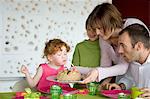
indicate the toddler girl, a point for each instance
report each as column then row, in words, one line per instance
column 56, row 53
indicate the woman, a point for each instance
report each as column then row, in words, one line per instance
column 107, row 23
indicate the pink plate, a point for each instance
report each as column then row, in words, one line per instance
column 114, row 93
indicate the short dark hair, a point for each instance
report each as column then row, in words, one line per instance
column 137, row 33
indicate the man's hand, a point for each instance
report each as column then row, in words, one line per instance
column 146, row 94
column 102, row 86
column 91, row 77
column 112, row 86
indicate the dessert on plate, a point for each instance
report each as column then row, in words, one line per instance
column 69, row 75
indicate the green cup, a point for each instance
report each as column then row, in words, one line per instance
column 55, row 92
column 74, row 96
column 92, row 88
column 67, row 96
column 70, row 96
column 135, row 92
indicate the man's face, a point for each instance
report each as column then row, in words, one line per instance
column 126, row 49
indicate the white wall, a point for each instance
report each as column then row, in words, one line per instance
column 25, row 26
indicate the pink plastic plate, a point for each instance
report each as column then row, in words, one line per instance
column 114, row 93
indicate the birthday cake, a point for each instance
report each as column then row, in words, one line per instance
column 69, row 75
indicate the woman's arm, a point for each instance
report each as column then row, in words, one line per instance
column 107, row 69
column 115, row 70
column 104, row 72
column 83, row 70
column 109, row 55
column 105, row 49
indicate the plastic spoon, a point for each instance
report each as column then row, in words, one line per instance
column 71, row 85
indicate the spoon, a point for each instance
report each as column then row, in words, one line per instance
column 71, row 85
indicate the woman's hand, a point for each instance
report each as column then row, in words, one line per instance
column 146, row 94
column 91, row 77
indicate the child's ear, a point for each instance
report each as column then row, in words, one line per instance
column 49, row 57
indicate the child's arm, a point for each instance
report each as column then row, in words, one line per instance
column 32, row 81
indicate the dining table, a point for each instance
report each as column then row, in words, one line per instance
column 80, row 90
column 11, row 95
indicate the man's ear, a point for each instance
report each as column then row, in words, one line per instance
column 139, row 46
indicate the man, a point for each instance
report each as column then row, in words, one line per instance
column 134, row 46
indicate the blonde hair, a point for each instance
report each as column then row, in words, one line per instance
column 53, row 46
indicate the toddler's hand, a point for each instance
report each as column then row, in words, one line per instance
column 73, row 68
column 24, row 69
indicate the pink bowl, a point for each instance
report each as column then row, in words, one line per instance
column 114, row 93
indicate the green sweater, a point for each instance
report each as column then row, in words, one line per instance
column 87, row 54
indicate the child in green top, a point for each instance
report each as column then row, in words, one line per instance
column 87, row 52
